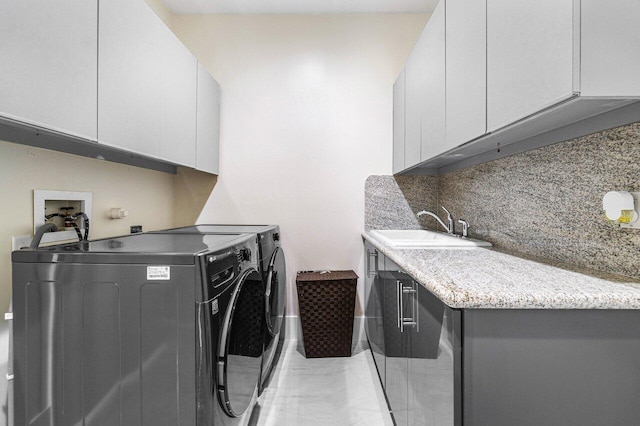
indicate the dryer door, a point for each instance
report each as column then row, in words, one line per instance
column 275, row 292
column 241, row 344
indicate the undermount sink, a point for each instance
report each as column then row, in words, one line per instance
column 421, row 239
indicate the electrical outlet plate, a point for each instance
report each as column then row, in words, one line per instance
column 20, row 241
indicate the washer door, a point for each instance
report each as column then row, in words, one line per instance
column 241, row 344
column 275, row 294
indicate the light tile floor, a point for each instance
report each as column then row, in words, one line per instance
column 322, row 391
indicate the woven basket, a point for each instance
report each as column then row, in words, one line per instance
column 327, row 302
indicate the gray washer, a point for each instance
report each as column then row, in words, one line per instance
column 123, row 330
column 273, row 268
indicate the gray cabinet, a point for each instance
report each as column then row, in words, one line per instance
column 374, row 307
column 551, row 367
column 414, row 339
column 498, row 367
column 208, row 122
column 48, row 69
column 397, row 342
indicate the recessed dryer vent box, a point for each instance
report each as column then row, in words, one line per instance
column 46, row 202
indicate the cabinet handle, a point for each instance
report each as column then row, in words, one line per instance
column 399, row 304
column 416, row 311
column 374, row 254
column 411, row 321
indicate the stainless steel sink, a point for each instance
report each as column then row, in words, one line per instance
column 421, row 239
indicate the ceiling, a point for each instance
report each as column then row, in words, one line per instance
column 188, row 7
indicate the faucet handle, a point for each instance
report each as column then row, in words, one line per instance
column 465, row 227
column 451, row 223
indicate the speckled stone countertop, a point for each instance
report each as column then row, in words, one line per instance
column 489, row 279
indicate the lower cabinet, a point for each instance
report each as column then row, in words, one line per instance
column 414, row 339
column 498, row 367
column 374, row 308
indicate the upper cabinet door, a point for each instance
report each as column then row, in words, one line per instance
column 610, row 48
column 466, row 71
column 433, row 112
column 208, row 128
column 179, row 93
column 147, row 84
column 414, row 101
column 48, row 64
column 529, row 57
column 398, row 123
column 129, row 102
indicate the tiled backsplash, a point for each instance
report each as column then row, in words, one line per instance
column 546, row 202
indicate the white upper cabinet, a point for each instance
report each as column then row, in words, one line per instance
column 398, row 123
column 530, row 60
column 415, row 80
column 208, row 122
column 147, row 84
column 129, row 75
column 179, row 92
column 524, row 73
column 48, row 64
column 433, row 114
column 610, row 48
column 466, row 71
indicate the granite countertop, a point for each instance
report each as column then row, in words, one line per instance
column 486, row 278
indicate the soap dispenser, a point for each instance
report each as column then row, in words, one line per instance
column 619, row 207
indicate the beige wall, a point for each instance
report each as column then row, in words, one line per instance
column 306, row 117
column 148, row 195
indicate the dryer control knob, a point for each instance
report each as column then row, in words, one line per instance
column 245, row 254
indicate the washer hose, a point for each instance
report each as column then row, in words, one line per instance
column 47, row 227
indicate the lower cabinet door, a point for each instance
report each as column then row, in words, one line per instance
column 396, row 341
column 422, row 350
column 431, row 387
column 374, row 298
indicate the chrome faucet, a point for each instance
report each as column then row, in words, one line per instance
column 449, row 227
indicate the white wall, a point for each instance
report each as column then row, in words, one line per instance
column 306, row 117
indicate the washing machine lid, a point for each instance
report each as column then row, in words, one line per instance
column 275, row 292
column 175, row 249
column 241, row 344
column 221, row 229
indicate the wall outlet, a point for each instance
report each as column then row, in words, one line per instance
column 20, row 241
column 136, row 229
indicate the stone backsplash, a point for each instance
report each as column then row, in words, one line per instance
column 391, row 202
column 544, row 203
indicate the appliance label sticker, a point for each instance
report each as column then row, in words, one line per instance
column 158, row 273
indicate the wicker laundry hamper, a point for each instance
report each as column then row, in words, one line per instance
column 327, row 301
